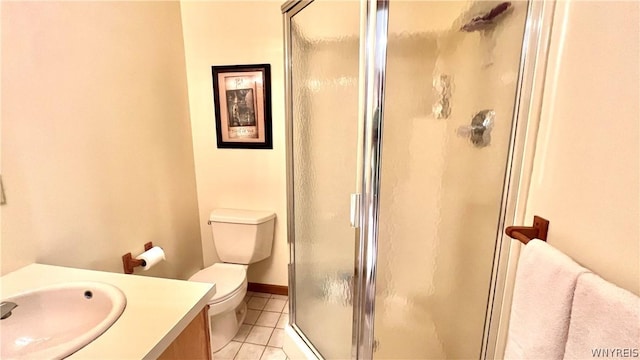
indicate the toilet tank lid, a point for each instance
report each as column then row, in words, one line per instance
column 239, row 216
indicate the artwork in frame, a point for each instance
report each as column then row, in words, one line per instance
column 242, row 102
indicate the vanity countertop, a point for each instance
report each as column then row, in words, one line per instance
column 157, row 309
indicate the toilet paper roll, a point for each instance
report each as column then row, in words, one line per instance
column 151, row 257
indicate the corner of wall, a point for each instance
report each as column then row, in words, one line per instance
column 215, row 33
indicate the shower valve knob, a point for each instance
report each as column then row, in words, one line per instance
column 479, row 132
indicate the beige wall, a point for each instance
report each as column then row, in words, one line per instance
column 221, row 33
column 96, row 144
column 586, row 171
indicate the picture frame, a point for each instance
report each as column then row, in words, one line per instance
column 242, row 105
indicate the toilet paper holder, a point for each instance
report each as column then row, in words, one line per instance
column 128, row 262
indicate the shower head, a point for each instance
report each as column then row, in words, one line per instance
column 484, row 21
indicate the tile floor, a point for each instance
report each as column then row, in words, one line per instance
column 261, row 335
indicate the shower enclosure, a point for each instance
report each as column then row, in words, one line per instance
column 405, row 122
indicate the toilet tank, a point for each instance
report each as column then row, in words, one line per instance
column 242, row 236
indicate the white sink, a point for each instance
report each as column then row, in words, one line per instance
column 56, row 321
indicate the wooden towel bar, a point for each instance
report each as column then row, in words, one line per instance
column 527, row 233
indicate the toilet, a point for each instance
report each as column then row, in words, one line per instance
column 241, row 237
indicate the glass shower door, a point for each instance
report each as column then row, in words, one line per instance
column 322, row 154
column 449, row 103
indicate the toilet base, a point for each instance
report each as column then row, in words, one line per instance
column 225, row 326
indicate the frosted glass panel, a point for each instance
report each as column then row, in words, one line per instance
column 440, row 194
column 325, row 119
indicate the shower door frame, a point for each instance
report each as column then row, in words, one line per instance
column 519, row 163
column 290, row 9
column 375, row 62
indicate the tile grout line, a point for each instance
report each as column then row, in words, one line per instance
column 270, row 336
column 263, row 349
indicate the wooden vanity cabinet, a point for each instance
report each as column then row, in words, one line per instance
column 193, row 341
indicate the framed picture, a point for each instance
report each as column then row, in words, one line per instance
column 242, row 102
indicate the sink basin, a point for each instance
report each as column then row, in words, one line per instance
column 56, row 321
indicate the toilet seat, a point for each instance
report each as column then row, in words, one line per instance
column 229, row 280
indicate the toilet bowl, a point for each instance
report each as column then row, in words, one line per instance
column 226, row 308
column 241, row 237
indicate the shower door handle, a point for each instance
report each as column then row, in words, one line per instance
column 354, row 211
column 479, row 132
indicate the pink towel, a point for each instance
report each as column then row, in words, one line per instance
column 539, row 322
column 605, row 321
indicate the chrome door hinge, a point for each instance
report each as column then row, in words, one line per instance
column 354, row 213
